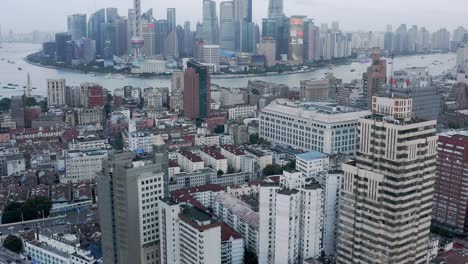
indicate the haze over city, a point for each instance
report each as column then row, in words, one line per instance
column 354, row 15
column 233, row 132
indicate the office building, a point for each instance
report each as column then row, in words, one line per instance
column 396, row 166
column 77, row 26
column 416, row 83
column 171, row 47
column 291, row 219
column 323, row 127
column 129, row 189
column 318, row 90
column 94, row 28
column 188, row 39
column 275, row 9
column 243, row 25
column 268, row 49
column 450, row 201
column 197, row 91
column 296, row 40
column 227, row 26
column 17, row 111
column 210, row 23
column 55, row 92
column 61, row 40
column 83, row 165
column 211, row 54
column 375, row 78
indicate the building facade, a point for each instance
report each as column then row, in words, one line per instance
column 393, row 175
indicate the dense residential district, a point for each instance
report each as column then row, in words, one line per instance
column 325, row 171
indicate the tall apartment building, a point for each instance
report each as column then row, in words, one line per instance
column 290, row 220
column 386, row 193
column 311, row 126
column 450, row 200
column 191, row 235
column 56, row 92
column 316, row 165
column 129, row 188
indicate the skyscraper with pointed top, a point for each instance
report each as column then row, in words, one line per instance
column 275, row 9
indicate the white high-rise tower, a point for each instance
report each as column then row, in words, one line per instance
column 136, row 55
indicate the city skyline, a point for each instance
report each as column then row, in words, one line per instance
column 352, row 16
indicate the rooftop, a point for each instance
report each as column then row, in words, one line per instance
column 189, row 155
column 312, row 155
column 320, row 111
column 240, row 208
column 233, row 149
column 213, row 153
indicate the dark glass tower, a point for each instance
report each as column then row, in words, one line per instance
column 197, row 91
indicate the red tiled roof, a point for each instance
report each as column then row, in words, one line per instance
column 233, row 149
column 227, row 232
column 213, row 153
column 189, row 155
column 173, row 163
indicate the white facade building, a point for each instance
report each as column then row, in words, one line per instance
column 190, row 235
column 55, row 249
column 322, row 127
column 55, row 92
column 291, row 220
column 242, row 111
column 214, row 159
column 311, row 163
column 234, row 156
column 207, row 141
column 211, row 54
column 387, row 192
column 141, row 140
column 240, row 216
column 189, row 162
column 151, row 66
column 82, row 166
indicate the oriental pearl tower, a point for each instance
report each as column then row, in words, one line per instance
column 136, row 55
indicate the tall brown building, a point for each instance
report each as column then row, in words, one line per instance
column 374, row 78
column 197, row 91
column 450, row 209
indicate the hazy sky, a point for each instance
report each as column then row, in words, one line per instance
column 50, row 15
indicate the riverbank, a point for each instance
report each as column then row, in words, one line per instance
column 96, row 72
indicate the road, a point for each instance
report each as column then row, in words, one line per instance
column 85, row 215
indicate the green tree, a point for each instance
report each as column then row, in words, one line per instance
column 220, row 172
column 30, row 101
column 107, row 109
column 119, row 141
column 290, row 165
column 13, row 243
column 253, row 139
column 11, row 213
column 5, row 104
column 272, row 169
column 43, row 105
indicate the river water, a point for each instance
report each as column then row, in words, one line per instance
column 15, row 52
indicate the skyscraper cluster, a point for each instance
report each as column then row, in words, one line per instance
column 416, row 39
